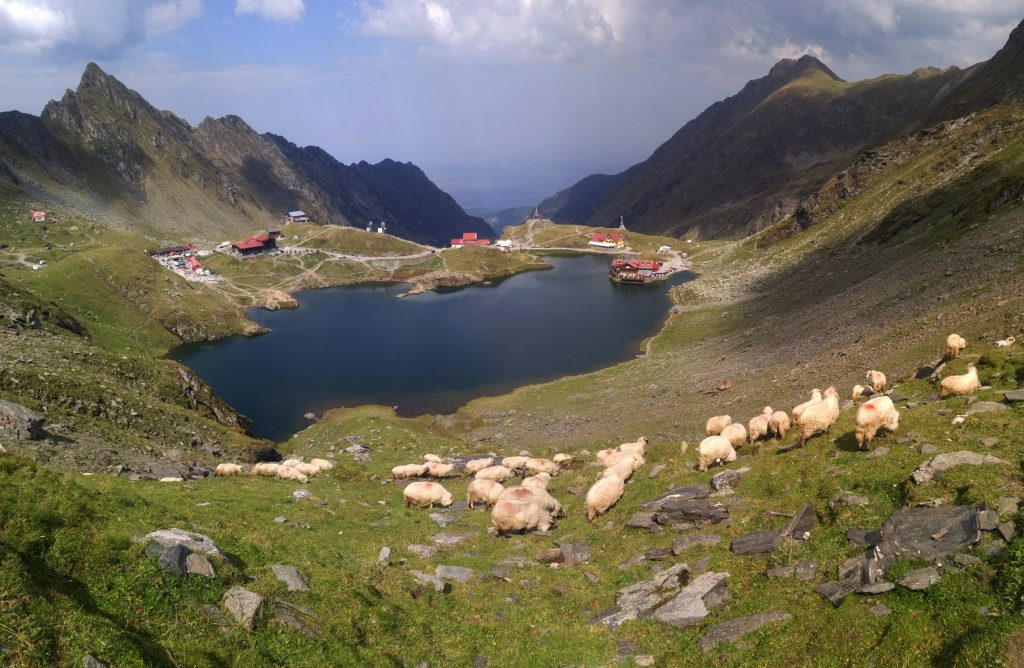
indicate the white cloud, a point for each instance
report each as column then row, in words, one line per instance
column 32, row 27
column 288, row 11
column 170, row 15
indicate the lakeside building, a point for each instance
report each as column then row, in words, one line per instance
column 611, row 240
column 470, row 239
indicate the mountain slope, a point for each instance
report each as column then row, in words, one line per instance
column 103, row 148
column 746, row 161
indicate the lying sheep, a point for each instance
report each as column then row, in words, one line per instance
column 426, row 493
column 873, row 415
column 408, row 471
column 736, row 434
column 758, row 426
column 538, row 465
column 604, row 494
column 513, row 515
column 265, row 469
column 308, row 470
column 291, row 462
column 474, row 465
column 562, row 459
column 322, row 464
column 432, row 458
column 496, row 473
column 779, row 424
column 487, row 491
column 623, row 469
column 638, row 446
column 1006, row 343
column 876, row 380
column 715, row 425
column 954, row 386
column 225, row 469
column 955, row 345
column 172, row 479
column 819, row 417
column 799, row 408
column 617, row 457
column 540, row 480
column 603, row 455
column 537, row 495
column 517, row 462
column 291, row 473
column 714, row 448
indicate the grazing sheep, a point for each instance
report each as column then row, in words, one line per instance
column 624, row 456
column 954, row 386
column 291, row 462
column 715, row 425
column 714, row 448
column 540, row 480
column 638, row 446
column 537, row 495
column 779, row 424
column 857, row 393
column 432, row 458
column 513, row 515
column 514, row 462
column 562, row 459
column 487, row 491
column 225, row 469
column 408, row 471
column 799, row 408
column 758, row 426
column 955, row 345
column 496, row 473
column 819, row 417
column 291, row 473
column 736, row 434
column 1006, row 343
column 307, row 470
column 875, row 414
column 474, row 465
column 426, row 493
column 172, row 479
column 439, row 470
column 322, row 464
column 603, row 455
column 876, row 380
column 265, row 469
column 538, row 465
column 604, row 494
column 623, row 469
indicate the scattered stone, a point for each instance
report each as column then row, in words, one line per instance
column 280, row 519
column 725, row 480
column 728, row 632
column 681, row 513
column 876, row 587
column 452, row 538
column 552, row 556
column 1006, row 530
column 310, row 416
column 90, row 662
column 441, row 519
column 929, row 449
column 656, row 470
column 989, row 442
column 242, row 606
column 154, row 550
column 948, row 460
column 457, row 573
column 20, row 422
column 384, row 556
column 863, row 537
column 300, row 494
column 799, row 527
column 643, row 660
column 633, row 561
column 1014, row 395
column 590, row 575
column 434, row 581
column 1007, row 505
column 198, row 564
column 700, row 565
column 479, row 662
column 358, row 452
column 697, row 491
column 781, row 571
column 919, row 579
column 195, row 542
column 287, row 614
column 756, row 542
column 806, row 570
column 529, row 584
column 877, row 452
column 966, row 559
column 835, row 592
column 848, row 499
column 290, row 576
column 689, row 606
column 174, row 559
column 575, row 553
column 984, row 611
column 423, row 551
column 202, row 504
column 216, row 617
column 909, row 532
column 642, row 520
column 638, row 600
column 684, row 543
column 880, row 610
column 988, row 520
column 986, row 407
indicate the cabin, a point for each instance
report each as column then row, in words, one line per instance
column 171, row 251
column 193, row 264
column 37, row 216
column 635, row 270
column 470, row 239
column 602, row 240
column 296, row 217
column 274, row 233
column 254, row 245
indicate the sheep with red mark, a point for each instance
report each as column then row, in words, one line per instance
column 874, row 415
column 427, row 494
column 487, row 491
column 515, row 516
column 496, row 473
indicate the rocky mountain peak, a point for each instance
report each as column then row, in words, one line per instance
column 788, row 69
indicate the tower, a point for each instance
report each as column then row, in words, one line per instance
column 622, row 223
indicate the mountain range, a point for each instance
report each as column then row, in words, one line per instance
column 104, row 149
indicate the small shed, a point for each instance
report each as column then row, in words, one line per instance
column 296, row 217
column 38, row 216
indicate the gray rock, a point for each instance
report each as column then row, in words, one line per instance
column 681, row 513
column 988, row 520
column 300, row 494
column 688, row 607
column 91, row 662
column 19, row 422
column 154, row 550
column 456, row 573
column 289, row 615
column 1006, row 530
column 199, row 564
column 174, row 559
column 575, row 553
column 590, row 575
column 280, row 519
column 384, row 556
column 656, row 470
column 929, row 449
column 781, row 571
column 452, row 538
column 290, row 576
column 643, row 660
column 196, row 542
column 725, row 480
column 966, row 559
column 684, row 543
column 799, row 527
column 1014, row 395
column 1007, row 505
column 431, row 581
column 989, row 442
column 835, row 592
column 479, row 662
column 880, row 610
column 632, row 561
column 877, row 452
column 948, row 460
column 756, row 542
column 728, row 632
column 642, row 520
column 876, row 587
column 806, row 570
column 358, row 452
column 986, row 407
column 216, row 617
column 423, row 551
column 696, row 491
column 242, row 606
column 441, row 519
column 638, row 600
column 919, row 579
column 863, row 537
column 910, row 531
column 848, row 499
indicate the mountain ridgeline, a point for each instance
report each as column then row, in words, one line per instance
column 104, row 149
column 748, row 161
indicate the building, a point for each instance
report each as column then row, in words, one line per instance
column 602, row 240
column 470, row 239
column 274, row 232
column 171, row 251
column 38, row 216
column 296, row 217
column 192, row 264
column 635, row 270
column 254, row 245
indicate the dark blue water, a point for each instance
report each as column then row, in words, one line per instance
column 428, row 353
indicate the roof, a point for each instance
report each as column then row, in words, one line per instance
column 262, row 238
column 248, row 244
column 194, row 263
column 38, row 213
column 616, row 237
column 296, row 214
column 469, row 236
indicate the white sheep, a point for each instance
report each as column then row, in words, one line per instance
column 291, row 473
column 715, row 425
column 537, row 495
column 953, row 386
column 1006, row 343
column 617, row 457
column 540, row 480
column 873, row 415
column 512, row 515
column 308, row 470
column 603, row 455
column 439, row 470
column 265, row 469
column 779, row 424
column 623, row 469
column 735, row 433
column 322, row 464
column 638, row 446
column 428, row 458
column 496, row 473
column 408, row 471
column 225, row 469
column 955, row 345
column 172, row 479
column 426, row 493
column 562, row 459
column 819, row 417
column 758, row 426
column 876, row 380
column 474, row 465
column 539, row 465
column 516, row 462
column 714, row 448
column 604, row 494
column 487, row 491
column 291, row 462
column 799, row 408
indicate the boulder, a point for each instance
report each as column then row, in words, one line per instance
column 434, row 581
column 198, row 564
column 242, row 606
column 988, row 520
column 986, row 407
column 19, row 422
column 290, row 576
column 989, row 442
column 697, row 491
column 575, row 553
column 919, row 579
column 89, row 661
column 689, row 607
column 456, row 573
column 909, row 532
column 848, row 499
column 1014, row 395
column 1006, row 530
column 725, row 480
column 835, row 592
column 358, row 452
column 195, row 542
column 684, row 543
column 452, row 538
column 806, row 570
column 423, row 551
column 289, row 615
column 876, row 587
column 174, row 559
column 756, row 542
column 948, row 460
column 800, row 526
column 642, row 520
column 678, row 512
column 880, row 610
column 384, row 556
column 728, row 632
column 863, row 537
column 1007, row 505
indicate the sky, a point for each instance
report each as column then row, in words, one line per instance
column 500, row 101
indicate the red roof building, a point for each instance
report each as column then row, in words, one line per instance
column 254, row 245
column 38, row 216
column 470, row 239
column 194, row 264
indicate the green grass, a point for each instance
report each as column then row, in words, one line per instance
column 346, row 240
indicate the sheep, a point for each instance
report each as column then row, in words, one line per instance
column 736, row 434
column 487, row 491
column 514, row 462
column 408, row 471
column 540, row 480
column 955, row 345
column 538, row 465
column 715, row 425
column 322, row 464
column 562, row 459
column 496, row 473
column 857, row 392
column 537, row 495
column 876, row 380
column 428, row 493
column 428, row 458
column 758, row 426
column 308, row 470
column 779, row 424
column 604, row 494
column 623, row 469
column 265, row 469
column 714, row 448
column 1006, row 343
column 819, row 417
column 440, row 470
column 623, row 456
column 799, row 408
column 953, row 386
column 513, row 515
column 474, row 465
column 172, row 479
column 875, row 414
column 225, row 469
column 602, row 455
column 291, row 462
column 638, row 446
column 291, row 473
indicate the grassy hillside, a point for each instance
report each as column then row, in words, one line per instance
column 545, row 233
column 347, row 240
